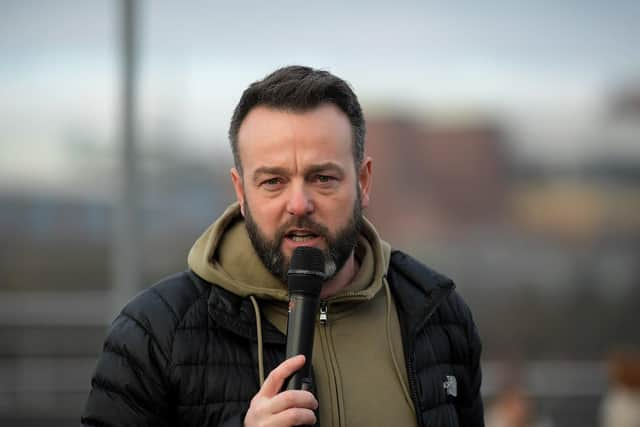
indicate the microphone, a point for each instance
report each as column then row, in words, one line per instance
column 304, row 279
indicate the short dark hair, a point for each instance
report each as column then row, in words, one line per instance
column 299, row 89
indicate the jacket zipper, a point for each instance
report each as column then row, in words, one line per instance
column 412, row 387
column 323, row 312
column 324, row 333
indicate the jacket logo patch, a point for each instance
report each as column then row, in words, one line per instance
column 450, row 385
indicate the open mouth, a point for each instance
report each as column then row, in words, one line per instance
column 301, row 235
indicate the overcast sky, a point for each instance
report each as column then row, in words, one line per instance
column 525, row 60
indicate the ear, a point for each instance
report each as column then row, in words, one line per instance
column 364, row 181
column 236, row 179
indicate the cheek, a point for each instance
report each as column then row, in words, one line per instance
column 265, row 212
column 338, row 210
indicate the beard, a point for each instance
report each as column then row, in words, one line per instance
column 340, row 245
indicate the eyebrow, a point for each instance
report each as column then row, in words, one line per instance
column 269, row 170
column 277, row 170
column 324, row 167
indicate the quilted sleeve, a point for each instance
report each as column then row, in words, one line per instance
column 129, row 386
column 471, row 412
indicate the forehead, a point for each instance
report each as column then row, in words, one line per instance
column 273, row 135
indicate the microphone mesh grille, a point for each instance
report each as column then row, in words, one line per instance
column 307, row 258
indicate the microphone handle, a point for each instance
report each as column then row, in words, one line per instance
column 303, row 309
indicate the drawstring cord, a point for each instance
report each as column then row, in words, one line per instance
column 259, row 328
column 405, row 389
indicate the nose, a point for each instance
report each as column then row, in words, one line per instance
column 299, row 203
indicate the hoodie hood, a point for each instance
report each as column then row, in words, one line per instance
column 225, row 256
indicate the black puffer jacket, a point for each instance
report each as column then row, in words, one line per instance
column 184, row 353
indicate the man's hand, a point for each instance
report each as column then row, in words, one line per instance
column 272, row 408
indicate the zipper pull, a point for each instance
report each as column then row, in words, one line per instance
column 323, row 312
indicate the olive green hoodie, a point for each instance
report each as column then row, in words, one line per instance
column 358, row 359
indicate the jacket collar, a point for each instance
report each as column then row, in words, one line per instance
column 236, row 314
column 417, row 289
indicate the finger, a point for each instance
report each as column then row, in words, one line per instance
column 293, row 417
column 276, row 378
column 292, row 399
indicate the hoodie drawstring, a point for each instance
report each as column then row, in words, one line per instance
column 387, row 290
column 259, row 329
column 405, row 388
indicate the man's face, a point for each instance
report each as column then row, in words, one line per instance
column 299, row 184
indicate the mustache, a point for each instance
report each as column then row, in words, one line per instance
column 302, row 222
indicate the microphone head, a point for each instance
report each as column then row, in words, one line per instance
column 307, row 258
column 306, row 270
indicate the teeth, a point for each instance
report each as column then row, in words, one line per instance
column 301, row 235
column 301, row 238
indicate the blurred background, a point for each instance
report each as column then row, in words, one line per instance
column 506, row 147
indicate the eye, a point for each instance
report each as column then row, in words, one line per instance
column 272, row 183
column 325, row 179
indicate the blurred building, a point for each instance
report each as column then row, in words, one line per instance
column 437, row 177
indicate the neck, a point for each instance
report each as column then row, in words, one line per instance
column 341, row 280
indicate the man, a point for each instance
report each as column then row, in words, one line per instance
column 394, row 343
